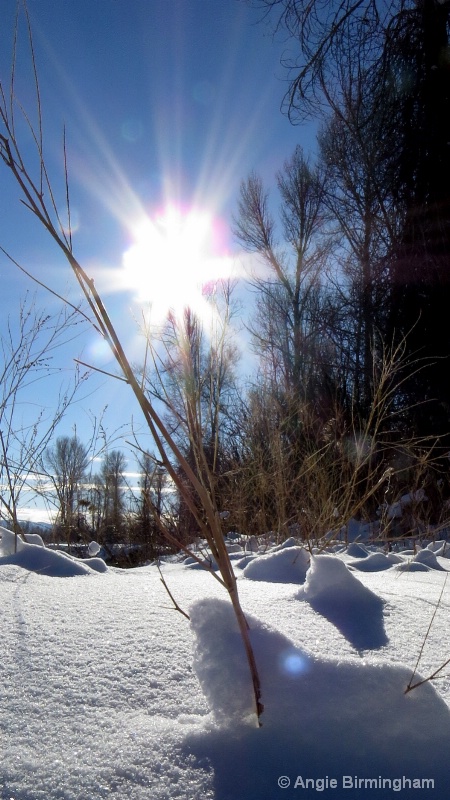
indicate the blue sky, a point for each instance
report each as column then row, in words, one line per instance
column 169, row 96
column 164, row 101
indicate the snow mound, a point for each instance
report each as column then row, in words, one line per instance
column 94, row 549
column 351, row 716
column 234, row 547
column 189, row 560
column 9, row 542
column 35, row 558
column 423, row 561
column 336, row 594
column 242, row 562
column 428, row 558
column 288, row 565
column 97, row 564
column 438, row 546
column 290, row 542
column 412, row 566
column 34, row 538
column 356, row 550
column 355, row 530
column 220, row 662
column 206, row 563
column 375, row 562
column 251, row 544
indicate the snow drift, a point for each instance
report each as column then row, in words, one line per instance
column 334, row 592
column 326, row 717
column 99, row 698
column 37, row 558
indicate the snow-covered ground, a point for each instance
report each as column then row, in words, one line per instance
column 107, row 692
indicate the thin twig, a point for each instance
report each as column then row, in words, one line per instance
column 430, row 677
column 12, row 508
column 176, row 606
column 49, row 289
column 103, row 371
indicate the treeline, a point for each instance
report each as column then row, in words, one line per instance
column 105, row 505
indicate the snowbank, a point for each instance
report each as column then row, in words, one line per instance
column 37, row 558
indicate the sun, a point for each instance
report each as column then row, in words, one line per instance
column 176, row 256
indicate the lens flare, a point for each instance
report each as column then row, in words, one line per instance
column 293, row 663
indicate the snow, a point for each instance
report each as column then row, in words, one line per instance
column 94, row 548
column 374, row 562
column 288, row 565
column 428, row 558
column 107, row 692
column 321, row 716
column 334, row 592
column 357, row 550
column 37, row 558
column 395, row 511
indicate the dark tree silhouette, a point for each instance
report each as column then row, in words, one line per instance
column 401, row 48
column 417, row 80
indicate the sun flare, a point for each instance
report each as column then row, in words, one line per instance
column 174, row 260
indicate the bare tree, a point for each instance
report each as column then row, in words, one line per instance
column 353, row 145
column 113, row 485
column 150, row 505
column 67, row 461
column 194, row 377
column 290, row 329
column 395, row 55
column 28, row 353
column 324, row 33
